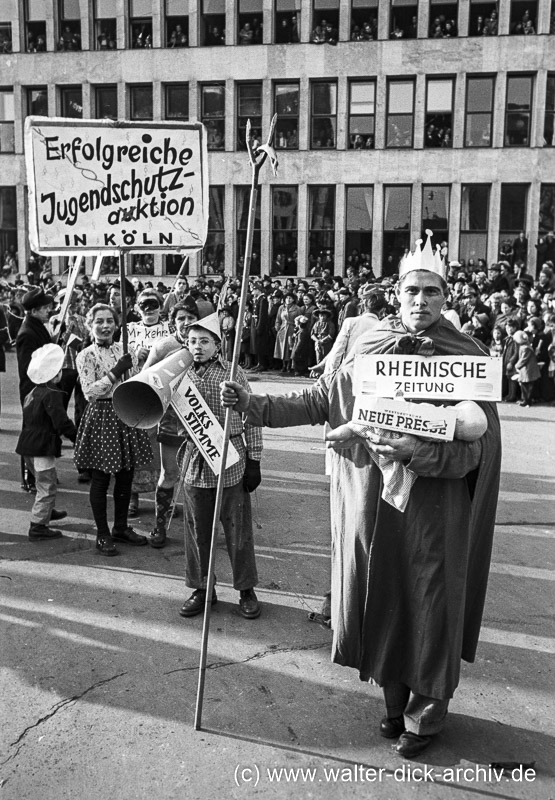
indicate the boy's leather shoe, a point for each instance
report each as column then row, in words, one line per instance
column 157, row 538
column 196, row 602
column 411, row 745
column 392, row 727
column 249, row 606
column 38, row 531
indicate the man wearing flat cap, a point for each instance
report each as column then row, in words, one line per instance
column 410, row 560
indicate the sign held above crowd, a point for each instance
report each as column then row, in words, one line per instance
column 105, row 185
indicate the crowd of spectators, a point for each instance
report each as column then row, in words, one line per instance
column 443, row 28
column 367, row 31
column 487, row 26
column 69, row 40
column 525, row 26
column 287, row 30
column 324, row 33
column 437, row 136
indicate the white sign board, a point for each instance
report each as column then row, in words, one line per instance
column 419, row 419
column 202, row 425
column 429, row 377
column 105, row 185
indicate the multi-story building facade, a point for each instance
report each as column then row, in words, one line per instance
column 394, row 116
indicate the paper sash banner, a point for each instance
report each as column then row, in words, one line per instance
column 418, row 419
column 429, row 377
column 202, row 426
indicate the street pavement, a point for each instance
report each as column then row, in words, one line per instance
column 99, row 672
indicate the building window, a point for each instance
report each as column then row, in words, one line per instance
column 547, row 208
column 213, row 23
column 140, row 23
column 35, row 25
column 549, row 121
column 71, row 102
column 242, row 203
column 321, row 231
column 435, row 213
column 213, row 253
column 325, row 22
column 552, row 18
column 140, row 101
column 6, row 27
column 362, row 110
column 284, row 230
column 364, row 20
column 524, row 15
column 518, row 110
column 403, row 19
column 70, row 25
column 173, row 264
column 396, row 227
column 286, row 21
column 7, row 120
column 177, row 23
column 249, row 22
column 249, row 106
column 324, row 115
column 514, row 199
column 483, row 18
column 105, row 37
column 37, row 101
column 438, row 127
column 176, row 101
column 400, row 113
column 473, row 242
column 8, row 228
column 106, row 102
column 479, row 111
column 212, row 114
column 443, row 19
column 358, row 224
column 286, row 106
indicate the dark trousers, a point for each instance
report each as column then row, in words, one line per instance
column 424, row 716
column 236, row 519
column 527, row 390
column 98, row 496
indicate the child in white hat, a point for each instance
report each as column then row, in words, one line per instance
column 44, row 422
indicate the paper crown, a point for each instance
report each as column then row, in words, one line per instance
column 424, row 258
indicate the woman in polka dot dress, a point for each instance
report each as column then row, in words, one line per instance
column 104, row 445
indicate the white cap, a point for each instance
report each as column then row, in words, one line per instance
column 46, row 362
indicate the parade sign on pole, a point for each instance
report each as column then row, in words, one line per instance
column 105, row 185
column 202, row 426
column 429, row 377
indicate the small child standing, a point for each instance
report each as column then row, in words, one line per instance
column 526, row 367
column 300, row 353
column 44, row 422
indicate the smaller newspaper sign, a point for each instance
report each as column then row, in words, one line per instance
column 202, row 426
column 429, row 377
column 419, row 419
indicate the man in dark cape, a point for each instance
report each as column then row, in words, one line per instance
column 408, row 588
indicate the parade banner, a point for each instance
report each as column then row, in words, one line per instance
column 419, row 419
column 429, row 377
column 202, row 425
column 105, row 185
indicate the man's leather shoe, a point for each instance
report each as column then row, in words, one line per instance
column 411, row 745
column 196, row 602
column 249, row 606
column 56, row 515
column 157, row 538
column 105, row 546
column 38, row 531
column 129, row 536
column 392, row 727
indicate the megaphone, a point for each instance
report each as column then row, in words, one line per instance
column 142, row 401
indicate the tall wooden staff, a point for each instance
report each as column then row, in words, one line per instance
column 256, row 158
column 123, row 296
